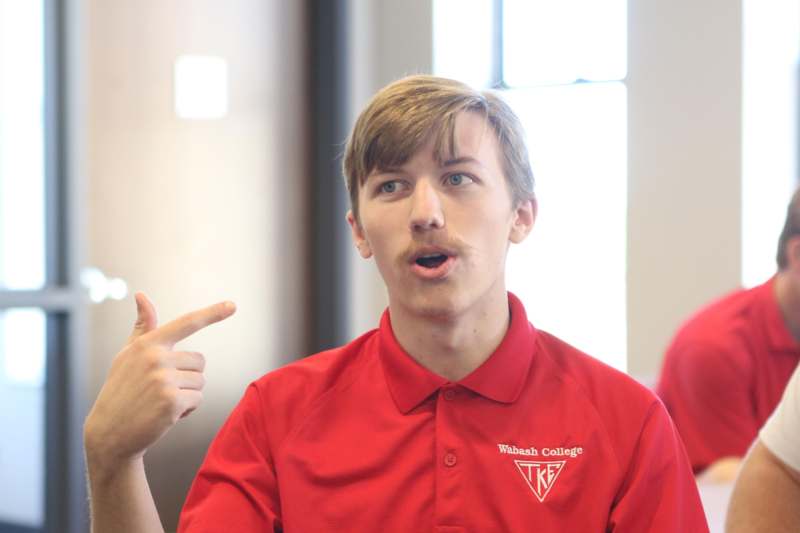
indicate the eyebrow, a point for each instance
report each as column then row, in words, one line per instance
column 448, row 163
column 459, row 160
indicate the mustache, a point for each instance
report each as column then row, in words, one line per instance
column 448, row 243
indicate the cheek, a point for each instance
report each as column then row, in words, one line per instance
column 484, row 222
column 488, row 234
column 379, row 237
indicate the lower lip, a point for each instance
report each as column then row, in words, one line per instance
column 439, row 272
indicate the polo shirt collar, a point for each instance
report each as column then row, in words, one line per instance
column 779, row 337
column 500, row 378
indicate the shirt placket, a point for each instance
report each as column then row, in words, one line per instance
column 450, row 462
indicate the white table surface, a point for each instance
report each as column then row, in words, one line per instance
column 715, row 497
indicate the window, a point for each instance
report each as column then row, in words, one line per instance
column 561, row 66
column 22, row 260
column 40, row 455
column 771, row 53
column 22, row 252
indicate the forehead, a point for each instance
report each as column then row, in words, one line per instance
column 472, row 137
column 472, row 134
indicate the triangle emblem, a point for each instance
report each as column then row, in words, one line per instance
column 540, row 475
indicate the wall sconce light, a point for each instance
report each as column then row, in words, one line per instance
column 201, row 87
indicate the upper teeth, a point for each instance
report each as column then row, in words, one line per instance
column 430, row 256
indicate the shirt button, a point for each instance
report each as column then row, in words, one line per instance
column 449, row 395
column 450, row 459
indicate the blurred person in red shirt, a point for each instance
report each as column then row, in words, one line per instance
column 726, row 368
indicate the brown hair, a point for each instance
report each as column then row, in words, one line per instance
column 790, row 228
column 401, row 117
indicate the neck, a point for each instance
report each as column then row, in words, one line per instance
column 788, row 302
column 453, row 345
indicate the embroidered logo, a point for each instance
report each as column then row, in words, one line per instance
column 540, row 475
column 540, row 467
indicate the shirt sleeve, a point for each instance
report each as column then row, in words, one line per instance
column 706, row 390
column 235, row 488
column 659, row 493
column 781, row 433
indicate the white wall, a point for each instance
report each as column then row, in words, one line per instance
column 192, row 212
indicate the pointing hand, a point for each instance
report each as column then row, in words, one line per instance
column 150, row 386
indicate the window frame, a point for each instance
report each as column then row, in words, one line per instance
column 62, row 298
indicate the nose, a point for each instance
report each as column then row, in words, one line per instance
column 426, row 208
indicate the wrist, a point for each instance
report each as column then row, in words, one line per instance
column 105, row 470
column 103, row 460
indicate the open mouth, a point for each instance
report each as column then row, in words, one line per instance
column 431, row 261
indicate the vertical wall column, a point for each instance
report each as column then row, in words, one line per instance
column 684, row 157
column 329, row 125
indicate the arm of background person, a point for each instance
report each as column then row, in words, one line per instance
column 706, row 390
column 148, row 389
column 766, row 497
column 722, row 470
column 767, row 493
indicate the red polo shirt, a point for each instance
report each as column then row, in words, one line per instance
column 725, row 371
column 362, row 438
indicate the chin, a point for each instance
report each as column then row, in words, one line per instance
column 438, row 303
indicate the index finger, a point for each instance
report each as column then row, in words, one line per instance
column 190, row 323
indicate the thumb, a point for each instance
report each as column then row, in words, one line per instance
column 146, row 319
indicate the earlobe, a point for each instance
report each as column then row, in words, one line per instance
column 359, row 239
column 524, row 218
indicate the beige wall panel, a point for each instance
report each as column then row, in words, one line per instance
column 192, row 212
column 684, row 101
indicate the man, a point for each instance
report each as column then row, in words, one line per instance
column 766, row 497
column 725, row 370
column 455, row 414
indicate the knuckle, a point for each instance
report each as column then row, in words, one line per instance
column 169, row 398
column 163, row 377
column 150, row 362
column 152, row 369
column 156, row 358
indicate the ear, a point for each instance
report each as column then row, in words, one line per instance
column 524, row 217
column 793, row 254
column 359, row 238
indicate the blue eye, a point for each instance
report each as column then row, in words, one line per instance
column 389, row 187
column 457, row 179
